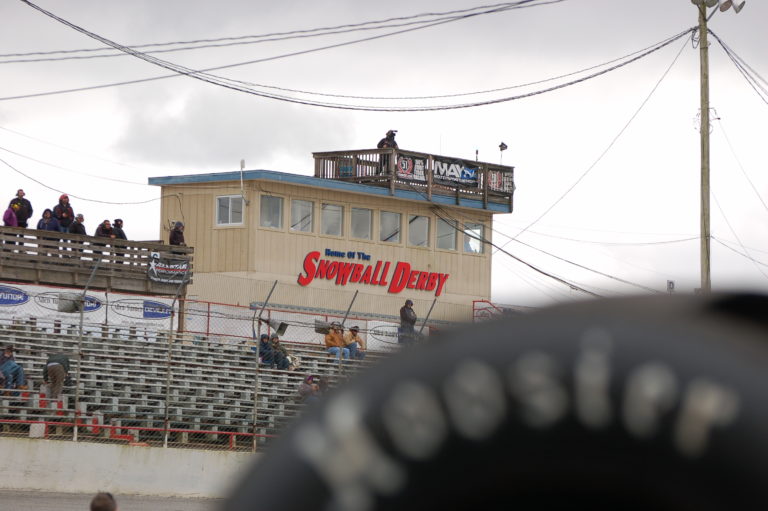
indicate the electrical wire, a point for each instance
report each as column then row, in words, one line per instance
column 744, row 69
column 77, row 196
column 746, row 256
column 610, row 145
column 72, row 170
column 744, row 172
column 226, row 83
column 262, row 38
column 728, row 223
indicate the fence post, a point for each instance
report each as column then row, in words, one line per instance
column 80, row 351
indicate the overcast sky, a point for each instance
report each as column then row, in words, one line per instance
column 631, row 216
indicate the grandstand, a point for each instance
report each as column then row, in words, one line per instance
column 157, row 388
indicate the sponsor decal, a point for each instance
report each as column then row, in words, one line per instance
column 137, row 308
column 448, row 172
column 50, row 300
column 12, row 296
column 395, row 277
column 383, row 333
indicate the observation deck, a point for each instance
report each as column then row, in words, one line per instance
column 430, row 175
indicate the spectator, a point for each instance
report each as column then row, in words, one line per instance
column 13, row 374
column 63, row 213
column 177, row 235
column 24, row 213
column 385, row 143
column 355, row 344
column 48, row 222
column 388, row 141
column 266, row 356
column 55, row 373
column 406, row 333
column 104, row 230
column 120, row 233
column 334, row 341
column 10, row 219
column 282, row 358
column 103, row 501
column 77, row 227
column 309, row 389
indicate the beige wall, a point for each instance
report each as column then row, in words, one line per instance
column 224, row 255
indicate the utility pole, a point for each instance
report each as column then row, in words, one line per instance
column 706, row 282
column 702, row 5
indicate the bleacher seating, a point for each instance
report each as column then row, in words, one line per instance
column 136, row 386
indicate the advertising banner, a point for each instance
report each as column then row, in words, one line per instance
column 23, row 301
column 445, row 172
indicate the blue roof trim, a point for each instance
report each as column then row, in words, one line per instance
column 330, row 184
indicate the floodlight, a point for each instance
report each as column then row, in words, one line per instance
column 727, row 4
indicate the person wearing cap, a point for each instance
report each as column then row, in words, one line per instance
column 24, row 212
column 334, row 341
column 354, row 343
column 282, row 358
column 117, row 228
column 63, row 213
column 177, row 235
column 406, row 333
column 12, row 372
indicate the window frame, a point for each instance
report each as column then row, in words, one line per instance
column 399, row 230
column 311, row 219
column 229, row 222
column 352, row 210
column 261, row 211
column 427, row 241
column 468, row 240
column 454, row 229
column 322, row 219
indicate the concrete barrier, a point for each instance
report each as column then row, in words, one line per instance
column 69, row 467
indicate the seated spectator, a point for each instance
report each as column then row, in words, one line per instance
column 266, row 356
column 282, row 357
column 355, row 344
column 13, row 374
column 334, row 341
column 309, row 389
column 55, row 373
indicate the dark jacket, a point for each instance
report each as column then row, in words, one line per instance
column 77, row 228
column 177, row 237
column 24, row 212
column 64, row 213
column 407, row 317
column 56, row 358
column 119, row 233
column 104, row 232
column 47, row 225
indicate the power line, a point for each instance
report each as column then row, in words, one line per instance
column 260, row 38
column 71, row 170
column 611, row 144
column 744, row 172
column 746, row 256
column 744, row 69
column 77, row 196
column 231, row 84
column 728, row 223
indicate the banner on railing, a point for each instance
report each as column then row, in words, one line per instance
column 167, row 270
column 445, row 172
column 24, row 301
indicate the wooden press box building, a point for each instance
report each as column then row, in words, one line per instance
column 388, row 223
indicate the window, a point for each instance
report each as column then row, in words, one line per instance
column 271, row 211
column 418, row 231
column 473, row 236
column 389, row 230
column 446, row 234
column 362, row 223
column 229, row 210
column 332, row 219
column 302, row 213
